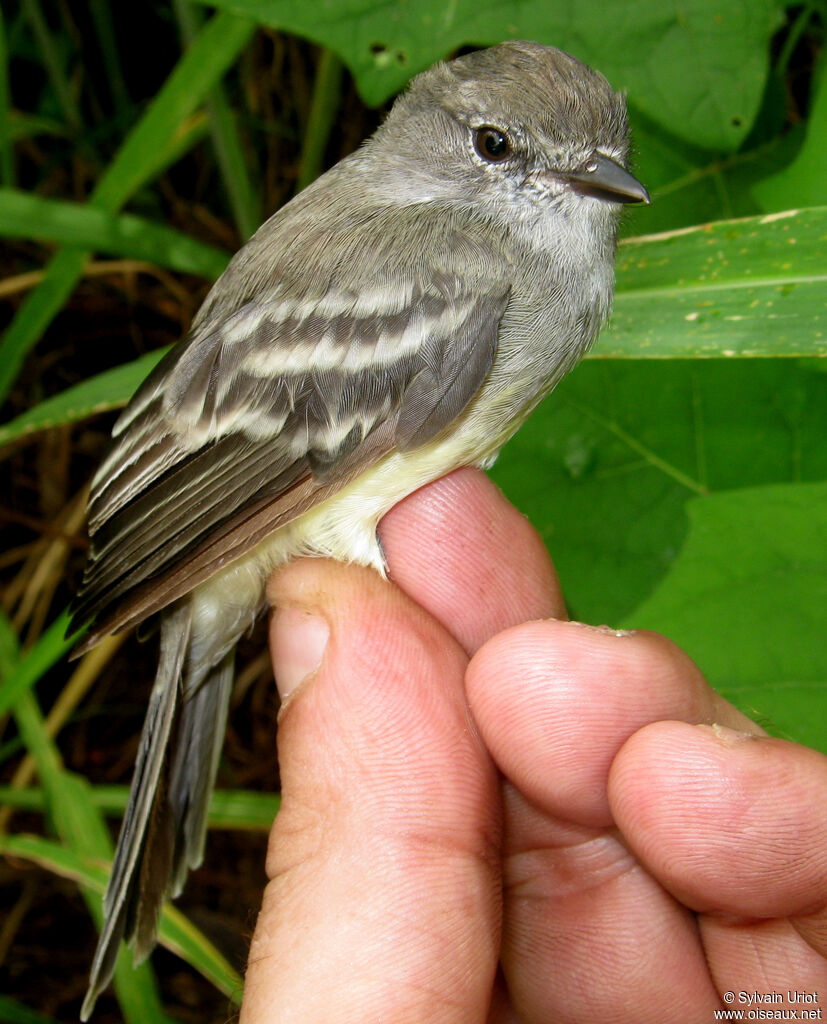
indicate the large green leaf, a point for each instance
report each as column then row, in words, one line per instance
column 616, row 466
column 722, row 52
column 692, row 186
column 804, row 180
column 747, row 598
column 604, row 468
column 750, row 287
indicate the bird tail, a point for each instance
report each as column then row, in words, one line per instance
column 163, row 830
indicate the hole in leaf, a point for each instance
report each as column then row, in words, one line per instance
column 383, row 55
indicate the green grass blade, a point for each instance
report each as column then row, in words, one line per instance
column 23, row 673
column 327, row 94
column 188, row 133
column 101, row 393
column 136, row 161
column 136, row 988
column 67, row 795
column 101, row 11
column 175, row 932
column 23, row 215
column 12, row 1012
column 26, row 126
column 37, row 311
column 6, row 148
column 243, row 809
column 178, row 934
column 86, row 843
column 52, row 63
column 83, row 831
column 238, row 184
column 9, row 647
column 750, row 287
column 240, row 809
column 195, row 74
column 241, row 191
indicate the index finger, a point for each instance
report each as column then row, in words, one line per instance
column 461, row 551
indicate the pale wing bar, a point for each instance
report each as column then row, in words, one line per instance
column 292, row 425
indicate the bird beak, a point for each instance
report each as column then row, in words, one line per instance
column 604, row 178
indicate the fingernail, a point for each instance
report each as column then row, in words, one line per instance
column 729, row 737
column 606, row 630
column 298, row 640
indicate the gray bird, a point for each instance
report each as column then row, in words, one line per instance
column 398, row 319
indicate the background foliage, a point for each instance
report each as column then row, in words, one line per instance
column 679, row 475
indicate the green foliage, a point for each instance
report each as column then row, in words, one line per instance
column 701, row 66
column 751, row 575
column 23, row 215
column 76, row 821
column 802, row 182
column 12, row 1012
column 134, row 985
column 101, row 393
column 675, row 497
column 731, row 288
column 678, row 475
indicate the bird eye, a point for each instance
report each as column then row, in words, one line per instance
column 492, row 144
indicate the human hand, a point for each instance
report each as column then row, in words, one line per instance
column 626, row 865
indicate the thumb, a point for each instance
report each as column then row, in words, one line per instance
column 382, row 856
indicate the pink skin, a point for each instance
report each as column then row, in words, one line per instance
column 491, row 814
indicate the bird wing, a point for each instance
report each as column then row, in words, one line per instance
column 262, row 413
